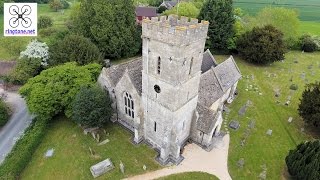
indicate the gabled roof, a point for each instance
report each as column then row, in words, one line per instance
column 208, row 61
column 207, row 119
column 169, row 4
column 146, row 11
column 134, row 67
column 227, row 73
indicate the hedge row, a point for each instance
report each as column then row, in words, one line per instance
column 22, row 152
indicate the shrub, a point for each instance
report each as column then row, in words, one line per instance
column 25, row 69
column 36, row 49
column 92, row 107
column 21, row 153
column 161, row 9
column 47, row 32
column 4, row 113
column 74, row 48
column 308, row 44
column 304, row 161
column 262, row 45
column 44, row 22
column 65, row 4
column 11, row 45
column 309, row 107
column 53, row 91
column 294, row 87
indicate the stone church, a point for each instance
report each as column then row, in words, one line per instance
column 175, row 92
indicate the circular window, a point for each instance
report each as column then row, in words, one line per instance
column 157, row 88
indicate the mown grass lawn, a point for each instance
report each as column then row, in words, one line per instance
column 261, row 149
column 72, row 158
column 190, row 176
column 309, row 27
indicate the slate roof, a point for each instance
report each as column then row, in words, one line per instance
column 207, row 118
column 146, row 11
column 208, row 61
column 169, row 4
column 134, row 67
column 213, row 85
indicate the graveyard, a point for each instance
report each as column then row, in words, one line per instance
column 254, row 151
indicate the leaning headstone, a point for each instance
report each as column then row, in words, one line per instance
column 98, row 138
column 303, row 75
column 240, row 163
column 269, row 132
column 234, row 124
column 121, row 167
column 104, row 142
column 93, row 135
column 49, row 153
column 101, row 168
column 144, row 167
column 91, row 151
column 290, row 119
column 263, row 174
column 90, row 130
column 302, row 129
column 287, row 103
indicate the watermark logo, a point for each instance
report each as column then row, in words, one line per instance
column 20, row 19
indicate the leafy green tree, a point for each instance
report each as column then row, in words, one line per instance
column 55, row 5
column 53, row 91
column 286, row 20
column 220, row 15
column 74, row 48
column 111, row 25
column 161, row 9
column 262, row 45
column 4, row 113
column 187, row 9
column 44, row 22
column 155, row 3
column 309, row 107
column 92, row 107
column 304, row 161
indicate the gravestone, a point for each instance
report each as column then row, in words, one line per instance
column 310, row 66
column 101, row 168
column 240, row 163
column 263, row 174
column 302, row 129
column 303, row 75
column 234, row 124
column 269, row 132
column 90, row 130
column 49, row 153
column 251, row 124
column 121, row 167
column 287, row 103
column 277, row 93
column 290, row 119
column 226, row 109
column 104, row 142
column 242, row 110
column 144, row 167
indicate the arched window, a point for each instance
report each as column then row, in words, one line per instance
column 128, row 105
column 159, row 65
column 191, row 63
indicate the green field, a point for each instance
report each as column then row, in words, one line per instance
column 309, row 27
column 261, row 149
column 309, row 9
column 72, row 158
column 59, row 20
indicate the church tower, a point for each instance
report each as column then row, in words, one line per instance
column 172, row 57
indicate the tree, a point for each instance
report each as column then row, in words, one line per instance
column 220, row 15
column 307, row 43
column 187, row 9
column 110, row 25
column 53, row 91
column 74, row 48
column 4, row 113
column 92, row 107
column 55, row 5
column 44, row 22
column 262, row 45
column 36, row 49
column 286, row 20
column 304, row 161
column 309, row 107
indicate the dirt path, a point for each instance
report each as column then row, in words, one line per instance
column 197, row 159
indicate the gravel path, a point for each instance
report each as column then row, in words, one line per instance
column 15, row 127
column 197, row 159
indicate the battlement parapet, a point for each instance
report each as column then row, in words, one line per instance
column 174, row 30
